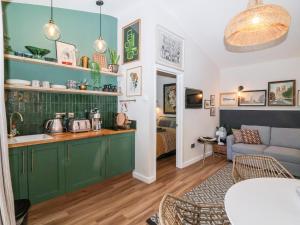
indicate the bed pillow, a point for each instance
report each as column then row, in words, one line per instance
column 251, row 137
column 164, row 123
column 238, row 137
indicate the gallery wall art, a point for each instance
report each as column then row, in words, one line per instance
column 228, row 99
column 170, row 98
column 131, row 42
column 253, row 98
column 169, row 49
column 282, row 93
column 134, row 82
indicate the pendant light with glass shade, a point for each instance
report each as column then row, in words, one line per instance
column 100, row 45
column 51, row 30
column 258, row 26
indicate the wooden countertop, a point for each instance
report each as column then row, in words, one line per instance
column 71, row 136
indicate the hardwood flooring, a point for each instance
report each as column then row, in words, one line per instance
column 122, row 200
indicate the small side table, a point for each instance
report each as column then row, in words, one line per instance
column 220, row 150
column 205, row 142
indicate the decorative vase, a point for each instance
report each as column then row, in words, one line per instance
column 114, row 68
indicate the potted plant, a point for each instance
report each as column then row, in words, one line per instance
column 114, row 60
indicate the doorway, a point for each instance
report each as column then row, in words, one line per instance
column 169, row 110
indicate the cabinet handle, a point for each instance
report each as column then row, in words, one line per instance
column 23, row 162
column 32, row 160
column 68, row 152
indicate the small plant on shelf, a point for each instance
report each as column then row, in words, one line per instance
column 114, row 59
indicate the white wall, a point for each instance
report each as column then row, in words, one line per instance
column 257, row 76
column 160, row 82
column 200, row 73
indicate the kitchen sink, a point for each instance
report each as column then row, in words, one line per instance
column 29, row 138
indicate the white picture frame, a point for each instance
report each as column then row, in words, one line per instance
column 228, row 99
column 134, row 82
column 169, row 48
column 66, row 53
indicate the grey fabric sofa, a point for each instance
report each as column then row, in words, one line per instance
column 281, row 143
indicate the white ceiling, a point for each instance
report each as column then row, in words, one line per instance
column 205, row 21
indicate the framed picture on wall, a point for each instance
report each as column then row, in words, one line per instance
column 66, row 53
column 282, row 93
column 212, row 100
column 253, row 98
column 169, row 48
column 134, row 82
column 131, row 42
column 207, row 104
column 228, row 99
column 170, row 98
column 213, row 111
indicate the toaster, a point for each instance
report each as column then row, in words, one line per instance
column 79, row 125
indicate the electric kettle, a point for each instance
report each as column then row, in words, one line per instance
column 54, row 126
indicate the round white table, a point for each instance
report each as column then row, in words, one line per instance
column 264, row 201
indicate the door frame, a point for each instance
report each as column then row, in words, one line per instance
column 179, row 113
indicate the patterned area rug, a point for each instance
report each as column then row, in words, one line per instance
column 212, row 190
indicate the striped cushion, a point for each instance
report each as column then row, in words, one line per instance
column 251, row 136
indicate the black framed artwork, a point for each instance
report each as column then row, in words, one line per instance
column 253, row 98
column 170, row 98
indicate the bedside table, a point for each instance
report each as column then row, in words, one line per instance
column 220, row 149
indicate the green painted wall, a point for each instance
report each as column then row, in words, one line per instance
column 24, row 25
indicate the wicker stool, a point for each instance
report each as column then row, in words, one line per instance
column 175, row 211
column 256, row 166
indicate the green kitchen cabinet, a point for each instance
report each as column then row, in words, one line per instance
column 18, row 171
column 45, row 171
column 85, row 162
column 120, row 154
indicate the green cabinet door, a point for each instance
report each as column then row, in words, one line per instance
column 120, row 154
column 85, row 162
column 18, row 171
column 45, row 171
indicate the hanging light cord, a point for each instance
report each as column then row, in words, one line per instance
column 51, row 11
column 101, row 3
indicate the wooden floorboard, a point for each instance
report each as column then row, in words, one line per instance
column 122, row 200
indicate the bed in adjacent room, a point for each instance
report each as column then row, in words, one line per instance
column 166, row 135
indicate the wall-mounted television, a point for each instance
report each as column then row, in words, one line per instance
column 193, row 98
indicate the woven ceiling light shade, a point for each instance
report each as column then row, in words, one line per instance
column 259, row 25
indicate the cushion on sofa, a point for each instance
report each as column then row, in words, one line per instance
column 285, row 137
column 264, row 132
column 251, row 137
column 249, row 149
column 284, row 154
column 237, row 134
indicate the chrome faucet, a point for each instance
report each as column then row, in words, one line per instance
column 13, row 128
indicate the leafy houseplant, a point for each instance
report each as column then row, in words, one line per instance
column 96, row 75
column 114, row 59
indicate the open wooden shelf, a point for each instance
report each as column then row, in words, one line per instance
column 56, row 90
column 43, row 62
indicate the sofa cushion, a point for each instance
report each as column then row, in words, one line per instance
column 251, row 137
column 285, row 137
column 284, row 154
column 237, row 134
column 248, row 149
column 264, row 132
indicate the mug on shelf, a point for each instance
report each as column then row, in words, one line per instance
column 46, row 84
column 35, row 83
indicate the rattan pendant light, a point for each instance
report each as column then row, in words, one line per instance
column 259, row 25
